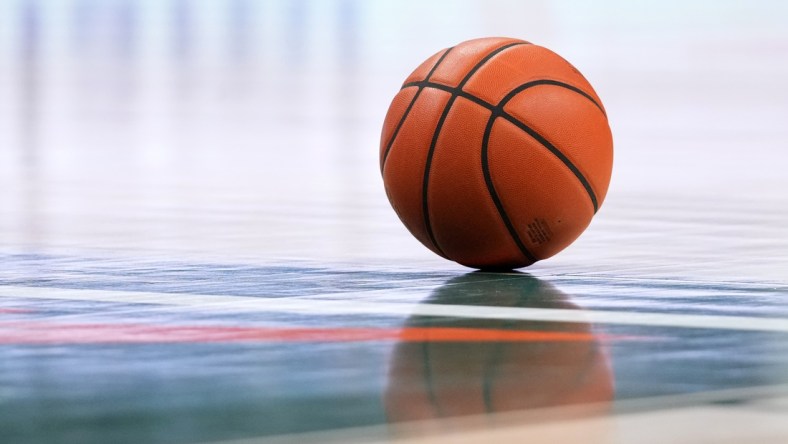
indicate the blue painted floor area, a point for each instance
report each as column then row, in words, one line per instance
column 120, row 372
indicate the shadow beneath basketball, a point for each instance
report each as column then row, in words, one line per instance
column 448, row 367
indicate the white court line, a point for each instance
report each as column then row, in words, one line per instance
column 346, row 307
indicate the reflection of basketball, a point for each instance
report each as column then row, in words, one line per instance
column 562, row 364
column 496, row 153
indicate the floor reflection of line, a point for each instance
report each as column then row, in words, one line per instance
column 349, row 306
column 14, row 311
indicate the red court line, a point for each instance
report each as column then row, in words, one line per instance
column 56, row 333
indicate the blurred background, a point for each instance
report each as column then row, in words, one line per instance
column 248, row 130
column 230, row 147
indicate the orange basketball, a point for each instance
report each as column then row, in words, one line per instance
column 496, row 153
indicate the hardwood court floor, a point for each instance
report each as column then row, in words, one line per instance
column 195, row 245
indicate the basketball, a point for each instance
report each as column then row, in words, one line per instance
column 496, row 153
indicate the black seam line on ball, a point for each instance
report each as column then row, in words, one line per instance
column 519, row 89
column 498, row 111
column 533, row 83
column 436, row 134
column 407, row 110
column 494, row 195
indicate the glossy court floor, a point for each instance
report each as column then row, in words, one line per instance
column 195, row 244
